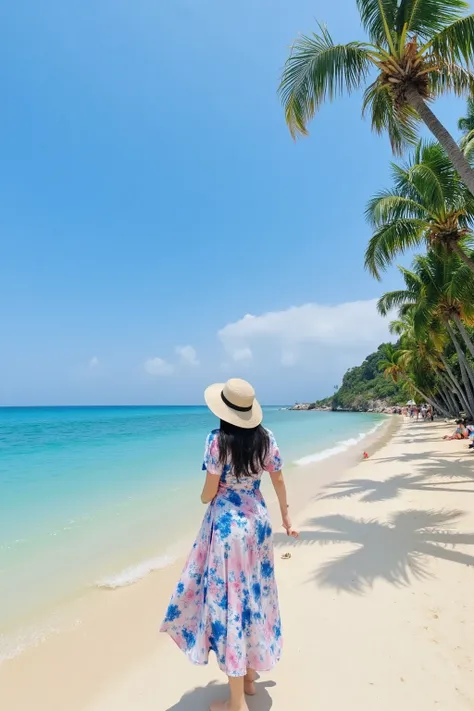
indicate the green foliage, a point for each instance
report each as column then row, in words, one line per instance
column 366, row 383
column 435, row 354
column 422, row 47
column 427, row 205
column 320, row 70
column 466, row 125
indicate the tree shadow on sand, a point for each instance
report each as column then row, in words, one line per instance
column 397, row 551
column 415, row 457
column 200, row 698
column 458, row 467
column 372, row 490
column 420, row 438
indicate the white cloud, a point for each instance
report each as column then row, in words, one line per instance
column 242, row 355
column 158, row 366
column 94, row 362
column 308, row 333
column 187, row 355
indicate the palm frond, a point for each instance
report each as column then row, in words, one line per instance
column 387, row 206
column 426, row 17
column 432, row 174
column 428, row 185
column 466, row 123
column 450, row 77
column 468, row 146
column 460, row 286
column 399, row 121
column 402, row 182
column 422, row 315
column 317, row 70
column 413, row 283
column 467, row 139
column 393, row 300
column 379, row 19
column 455, row 43
column 405, row 309
column 391, row 239
column 397, row 327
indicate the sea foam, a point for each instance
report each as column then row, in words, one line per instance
column 12, row 645
column 134, row 573
column 339, row 448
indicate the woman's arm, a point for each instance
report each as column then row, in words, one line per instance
column 210, row 488
column 278, row 482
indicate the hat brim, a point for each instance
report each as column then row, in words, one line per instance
column 246, row 420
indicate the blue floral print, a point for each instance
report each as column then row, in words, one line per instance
column 226, row 600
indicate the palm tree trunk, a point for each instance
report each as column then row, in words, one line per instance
column 464, row 334
column 444, row 398
column 447, row 390
column 441, row 404
column 453, row 404
column 456, row 156
column 469, row 391
column 463, row 362
column 457, row 249
column 457, row 386
column 429, row 400
column 465, row 370
column 451, row 399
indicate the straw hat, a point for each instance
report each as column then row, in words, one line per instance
column 235, row 403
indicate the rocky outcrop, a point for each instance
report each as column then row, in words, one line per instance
column 378, row 406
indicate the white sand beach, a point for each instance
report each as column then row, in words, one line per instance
column 376, row 603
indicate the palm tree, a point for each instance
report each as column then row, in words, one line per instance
column 437, row 288
column 466, row 125
column 390, row 363
column 424, row 367
column 420, row 49
column 423, row 360
column 413, row 362
column 428, row 204
column 439, row 295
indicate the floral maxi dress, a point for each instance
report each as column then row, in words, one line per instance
column 226, row 599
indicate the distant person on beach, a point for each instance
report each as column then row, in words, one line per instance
column 226, row 600
column 461, row 431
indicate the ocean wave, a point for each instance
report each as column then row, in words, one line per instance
column 339, row 448
column 134, row 573
column 12, row 645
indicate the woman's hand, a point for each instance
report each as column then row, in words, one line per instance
column 286, row 522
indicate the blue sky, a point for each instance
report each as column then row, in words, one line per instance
column 151, row 198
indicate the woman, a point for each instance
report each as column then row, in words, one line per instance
column 460, row 432
column 226, row 599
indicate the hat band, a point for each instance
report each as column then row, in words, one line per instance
column 232, row 406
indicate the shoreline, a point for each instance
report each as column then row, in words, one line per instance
column 165, row 537
column 105, row 511
column 376, row 599
column 85, row 628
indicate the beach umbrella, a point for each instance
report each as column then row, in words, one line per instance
column 411, row 402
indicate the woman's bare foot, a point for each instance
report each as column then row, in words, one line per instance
column 249, row 688
column 249, row 683
column 225, row 706
column 236, row 701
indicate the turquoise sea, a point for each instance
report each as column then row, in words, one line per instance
column 101, row 496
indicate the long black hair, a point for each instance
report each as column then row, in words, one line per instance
column 247, row 449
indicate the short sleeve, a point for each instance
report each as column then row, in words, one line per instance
column 211, row 454
column 273, row 462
